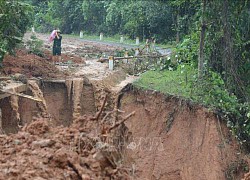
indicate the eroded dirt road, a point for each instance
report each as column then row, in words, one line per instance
column 41, row 150
column 89, row 51
column 109, row 134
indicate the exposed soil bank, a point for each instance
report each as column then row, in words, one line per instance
column 60, row 104
column 174, row 139
column 8, row 119
column 167, row 138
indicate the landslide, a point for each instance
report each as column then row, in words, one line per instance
column 171, row 138
column 166, row 138
column 30, row 65
column 40, row 151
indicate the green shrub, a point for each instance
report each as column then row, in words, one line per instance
column 211, row 91
column 35, row 46
column 15, row 18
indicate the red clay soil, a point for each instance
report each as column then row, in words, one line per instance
column 42, row 152
column 65, row 57
column 174, row 139
column 30, row 65
column 35, row 66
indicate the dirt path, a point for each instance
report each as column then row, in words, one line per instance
column 163, row 51
column 92, row 69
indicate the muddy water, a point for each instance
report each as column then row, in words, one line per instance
column 37, row 93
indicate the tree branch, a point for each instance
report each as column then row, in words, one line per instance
column 117, row 124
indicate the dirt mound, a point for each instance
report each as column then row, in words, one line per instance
column 30, row 65
column 37, row 127
column 42, row 152
column 175, row 139
column 69, row 57
column 247, row 176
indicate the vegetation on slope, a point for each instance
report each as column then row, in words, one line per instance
column 211, row 91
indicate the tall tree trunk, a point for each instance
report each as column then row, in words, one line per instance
column 232, row 78
column 227, row 50
column 178, row 28
column 176, row 21
column 202, row 40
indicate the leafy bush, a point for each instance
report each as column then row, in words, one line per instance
column 187, row 50
column 15, row 18
column 211, row 91
column 35, row 46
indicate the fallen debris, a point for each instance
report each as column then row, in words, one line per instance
column 75, row 152
column 22, row 95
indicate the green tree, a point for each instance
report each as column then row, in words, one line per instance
column 183, row 16
column 73, row 20
column 226, row 43
column 15, row 18
column 94, row 13
column 140, row 18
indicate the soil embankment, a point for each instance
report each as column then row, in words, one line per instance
column 162, row 137
column 171, row 138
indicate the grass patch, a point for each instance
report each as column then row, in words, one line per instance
column 171, row 82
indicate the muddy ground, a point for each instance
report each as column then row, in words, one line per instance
column 90, row 124
column 75, row 53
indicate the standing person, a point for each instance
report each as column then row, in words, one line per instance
column 57, row 47
column 52, row 36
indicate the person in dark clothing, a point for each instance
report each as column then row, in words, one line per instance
column 57, row 47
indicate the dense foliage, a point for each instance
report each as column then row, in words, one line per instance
column 15, row 18
column 133, row 18
column 225, row 83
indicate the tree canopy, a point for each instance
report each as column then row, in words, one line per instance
column 15, row 18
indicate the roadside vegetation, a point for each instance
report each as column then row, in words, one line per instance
column 210, row 92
